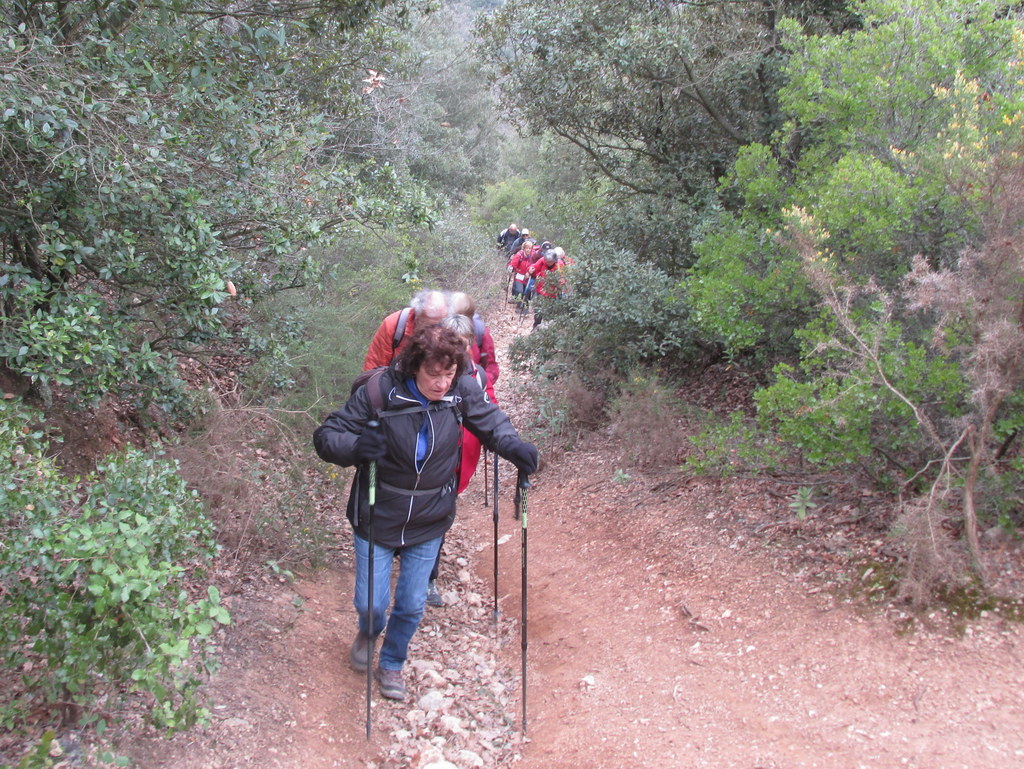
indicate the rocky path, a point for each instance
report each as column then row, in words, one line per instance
column 661, row 634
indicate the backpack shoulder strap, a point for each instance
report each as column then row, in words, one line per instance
column 374, row 388
column 403, row 320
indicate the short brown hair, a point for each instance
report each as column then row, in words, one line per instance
column 433, row 344
column 462, row 304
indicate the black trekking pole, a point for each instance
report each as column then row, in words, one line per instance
column 372, row 492
column 521, row 488
column 508, row 284
column 486, row 480
column 494, row 517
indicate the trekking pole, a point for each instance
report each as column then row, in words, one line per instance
column 521, row 487
column 494, row 517
column 508, row 284
column 486, row 480
column 372, row 491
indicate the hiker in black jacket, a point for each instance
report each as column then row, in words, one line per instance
column 426, row 400
column 507, row 237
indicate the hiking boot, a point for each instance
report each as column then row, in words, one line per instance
column 433, row 597
column 391, row 683
column 362, row 650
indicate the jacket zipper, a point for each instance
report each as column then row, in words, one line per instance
column 419, row 474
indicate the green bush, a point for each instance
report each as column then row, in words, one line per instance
column 747, row 294
column 841, row 411
column 96, row 578
column 727, row 447
column 610, row 298
column 510, row 200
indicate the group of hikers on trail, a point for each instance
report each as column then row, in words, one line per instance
column 532, row 267
column 413, row 427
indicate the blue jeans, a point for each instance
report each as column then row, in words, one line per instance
column 415, row 563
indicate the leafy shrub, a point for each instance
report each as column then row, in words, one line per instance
column 610, row 298
column 732, row 446
column 510, row 200
column 96, row 579
column 745, row 293
column 845, row 409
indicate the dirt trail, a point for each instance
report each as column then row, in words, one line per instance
column 660, row 635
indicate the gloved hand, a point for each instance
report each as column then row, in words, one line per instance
column 510, row 268
column 370, row 445
column 524, row 456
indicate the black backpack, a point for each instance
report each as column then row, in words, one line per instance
column 371, row 378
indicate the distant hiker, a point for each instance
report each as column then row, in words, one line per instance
column 507, row 237
column 545, row 280
column 520, row 263
column 482, row 349
column 415, row 451
column 518, row 242
column 462, row 326
column 426, row 308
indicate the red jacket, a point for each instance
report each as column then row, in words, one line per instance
column 470, row 443
column 490, row 362
column 548, row 284
column 520, row 262
column 381, row 351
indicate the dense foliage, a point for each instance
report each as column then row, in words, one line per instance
column 95, row 580
column 831, row 189
column 157, row 158
column 658, row 96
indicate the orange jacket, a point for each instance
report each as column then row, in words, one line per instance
column 382, row 347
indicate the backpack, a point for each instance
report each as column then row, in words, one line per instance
column 403, row 321
column 478, row 332
column 371, row 378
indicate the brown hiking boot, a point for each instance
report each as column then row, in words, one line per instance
column 362, row 650
column 391, row 683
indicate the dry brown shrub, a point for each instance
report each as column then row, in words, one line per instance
column 934, row 561
column 585, row 406
column 246, row 465
column 646, row 418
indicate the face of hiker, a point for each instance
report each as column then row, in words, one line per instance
column 434, row 313
column 434, row 380
column 434, row 310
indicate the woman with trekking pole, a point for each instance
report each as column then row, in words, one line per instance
column 426, row 401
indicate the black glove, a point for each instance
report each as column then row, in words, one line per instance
column 524, row 456
column 370, row 445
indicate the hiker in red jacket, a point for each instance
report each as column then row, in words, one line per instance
column 427, row 308
column 548, row 277
column 481, row 351
column 520, row 263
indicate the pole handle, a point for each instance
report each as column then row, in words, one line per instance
column 371, row 470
